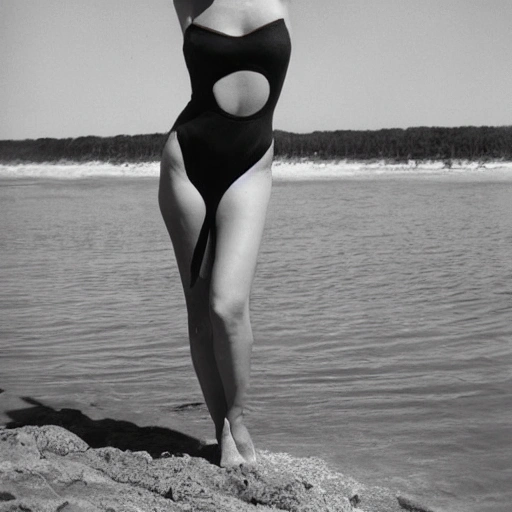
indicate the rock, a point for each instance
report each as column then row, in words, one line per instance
column 48, row 468
column 56, row 440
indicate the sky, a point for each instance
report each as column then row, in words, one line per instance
column 107, row 67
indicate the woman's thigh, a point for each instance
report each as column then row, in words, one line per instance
column 240, row 220
column 182, row 207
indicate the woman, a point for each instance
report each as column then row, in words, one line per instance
column 215, row 186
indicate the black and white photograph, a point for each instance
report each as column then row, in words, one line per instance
column 255, row 255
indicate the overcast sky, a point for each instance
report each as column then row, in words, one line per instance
column 109, row 67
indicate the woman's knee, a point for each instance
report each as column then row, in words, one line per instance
column 198, row 312
column 199, row 333
column 229, row 309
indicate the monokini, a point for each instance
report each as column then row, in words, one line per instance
column 218, row 147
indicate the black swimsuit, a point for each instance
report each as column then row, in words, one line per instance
column 218, row 147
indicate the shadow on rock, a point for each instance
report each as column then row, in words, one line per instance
column 157, row 441
column 63, row 460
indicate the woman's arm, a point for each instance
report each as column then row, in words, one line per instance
column 188, row 10
column 184, row 11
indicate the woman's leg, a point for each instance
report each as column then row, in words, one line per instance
column 183, row 210
column 219, row 327
column 239, row 227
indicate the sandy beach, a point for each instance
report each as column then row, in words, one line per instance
column 282, row 169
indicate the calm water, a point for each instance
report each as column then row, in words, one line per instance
column 381, row 310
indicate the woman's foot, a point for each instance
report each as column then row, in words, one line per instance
column 229, row 454
column 243, row 442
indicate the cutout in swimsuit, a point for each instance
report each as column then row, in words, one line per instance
column 219, row 146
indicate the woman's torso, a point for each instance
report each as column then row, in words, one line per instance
column 237, row 54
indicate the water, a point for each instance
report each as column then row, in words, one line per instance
column 381, row 311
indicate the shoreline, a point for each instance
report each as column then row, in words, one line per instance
column 283, row 169
column 65, row 459
column 54, row 459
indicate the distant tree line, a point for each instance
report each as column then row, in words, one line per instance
column 423, row 143
column 122, row 148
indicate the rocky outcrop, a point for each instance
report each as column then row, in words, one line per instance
column 48, row 468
